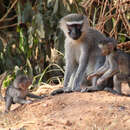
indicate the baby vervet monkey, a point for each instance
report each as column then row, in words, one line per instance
column 82, row 54
column 18, row 91
column 117, row 64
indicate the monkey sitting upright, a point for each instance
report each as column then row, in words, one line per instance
column 18, row 91
column 117, row 64
column 82, row 54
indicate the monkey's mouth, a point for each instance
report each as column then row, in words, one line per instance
column 75, row 37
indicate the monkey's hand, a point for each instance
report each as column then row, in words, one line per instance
column 90, row 89
column 6, row 111
column 99, row 81
column 68, row 90
column 90, row 76
column 28, row 101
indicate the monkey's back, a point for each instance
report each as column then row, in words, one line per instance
column 97, row 59
column 123, row 60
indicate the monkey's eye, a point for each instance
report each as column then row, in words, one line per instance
column 69, row 27
column 79, row 26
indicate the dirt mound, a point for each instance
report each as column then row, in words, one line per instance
column 74, row 111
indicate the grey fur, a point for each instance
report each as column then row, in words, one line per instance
column 82, row 56
column 117, row 64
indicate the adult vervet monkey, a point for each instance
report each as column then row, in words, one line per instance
column 82, row 54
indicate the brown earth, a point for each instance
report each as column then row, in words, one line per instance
column 73, row 111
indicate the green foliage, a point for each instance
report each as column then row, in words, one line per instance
column 7, row 81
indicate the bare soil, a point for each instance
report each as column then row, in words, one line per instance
column 73, row 111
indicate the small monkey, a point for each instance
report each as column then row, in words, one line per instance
column 117, row 64
column 82, row 54
column 18, row 91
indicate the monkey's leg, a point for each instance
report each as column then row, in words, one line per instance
column 64, row 89
column 35, row 96
column 109, row 85
column 117, row 84
column 8, row 103
column 21, row 100
column 69, row 88
column 94, row 86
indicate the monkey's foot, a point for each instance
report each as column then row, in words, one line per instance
column 28, row 102
column 6, row 112
column 68, row 90
column 91, row 89
column 112, row 91
column 77, row 90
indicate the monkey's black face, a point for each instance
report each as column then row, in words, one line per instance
column 74, row 31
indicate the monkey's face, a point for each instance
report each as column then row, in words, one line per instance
column 24, row 85
column 74, row 31
column 104, row 49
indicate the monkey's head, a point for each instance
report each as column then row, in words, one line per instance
column 22, row 82
column 74, row 25
column 107, row 46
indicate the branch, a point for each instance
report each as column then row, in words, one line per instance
column 8, row 11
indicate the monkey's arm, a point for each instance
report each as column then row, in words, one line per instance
column 83, row 63
column 8, row 102
column 113, row 69
column 100, row 71
column 68, row 72
column 70, row 63
column 35, row 96
column 21, row 100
